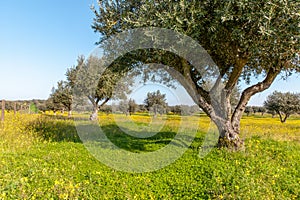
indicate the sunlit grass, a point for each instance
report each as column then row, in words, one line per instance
column 42, row 157
column 13, row 133
column 271, row 128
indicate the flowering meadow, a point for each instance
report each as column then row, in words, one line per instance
column 42, row 157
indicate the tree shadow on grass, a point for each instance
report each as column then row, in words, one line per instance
column 54, row 129
column 119, row 137
column 62, row 129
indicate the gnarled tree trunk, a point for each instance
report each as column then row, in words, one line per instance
column 94, row 115
column 229, row 135
column 96, row 107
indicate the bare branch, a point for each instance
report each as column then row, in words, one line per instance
column 104, row 102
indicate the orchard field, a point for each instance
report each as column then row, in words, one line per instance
column 42, row 157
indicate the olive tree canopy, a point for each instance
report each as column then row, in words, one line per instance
column 244, row 38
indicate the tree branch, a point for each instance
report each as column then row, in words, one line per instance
column 104, row 102
column 235, row 74
column 91, row 100
column 249, row 92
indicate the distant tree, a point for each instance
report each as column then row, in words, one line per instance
column 40, row 104
column 84, row 79
column 176, row 109
column 185, row 110
column 114, row 107
column 156, row 102
column 63, row 97
column 272, row 112
column 284, row 104
column 248, row 110
column 262, row 110
column 51, row 106
column 106, row 109
column 255, row 109
column 53, row 103
column 132, row 106
column 42, row 107
column 194, row 109
column 123, row 106
column 142, row 108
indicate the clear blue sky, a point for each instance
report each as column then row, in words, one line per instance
column 40, row 39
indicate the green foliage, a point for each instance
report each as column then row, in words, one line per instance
column 284, row 104
column 132, row 106
column 184, row 109
column 244, row 38
column 54, row 129
column 156, row 102
column 262, row 32
column 33, row 108
column 61, row 98
column 90, row 79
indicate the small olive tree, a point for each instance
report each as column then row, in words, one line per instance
column 156, row 102
column 284, row 104
column 87, row 79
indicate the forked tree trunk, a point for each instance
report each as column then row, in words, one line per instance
column 96, row 107
column 283, row 117
column 94, row 115
column 229, row 137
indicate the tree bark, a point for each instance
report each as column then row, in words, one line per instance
column 283, row 119
column 248, row 93
column 229, row 136
column 94, row 115
column 230, row 139
column 69, row 113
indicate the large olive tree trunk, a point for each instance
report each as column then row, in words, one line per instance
column 229, row 136
column 218, row 108
column 229, row 126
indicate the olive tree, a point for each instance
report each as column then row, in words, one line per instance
column 61, row 98
column 284, row 104
column 156, row 102
column 245, row 38
column 88, row 79
column 132, row 106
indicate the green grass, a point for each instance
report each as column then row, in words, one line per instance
column 55, row 164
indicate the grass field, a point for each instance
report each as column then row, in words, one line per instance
column 42, row 157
